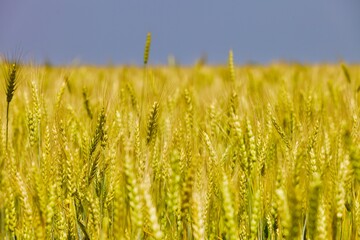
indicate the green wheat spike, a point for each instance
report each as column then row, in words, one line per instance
column 147, row 48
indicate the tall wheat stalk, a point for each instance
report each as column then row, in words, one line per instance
column 146, row 60
column 11, row 81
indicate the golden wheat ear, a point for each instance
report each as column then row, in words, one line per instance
column 231, row 66
column 152, row 124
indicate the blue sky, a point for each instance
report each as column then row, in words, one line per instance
column 99, row 32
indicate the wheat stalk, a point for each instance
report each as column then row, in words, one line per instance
column 11, row 82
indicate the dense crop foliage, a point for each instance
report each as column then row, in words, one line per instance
column 252, row 152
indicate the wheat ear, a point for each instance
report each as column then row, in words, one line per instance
column 231, row 66
column 147, row 48
column 11, row 84
column 146, row 59
column 152, row 125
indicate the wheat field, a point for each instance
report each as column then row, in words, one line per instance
column 170, row 152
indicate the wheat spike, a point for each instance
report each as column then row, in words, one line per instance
column 147, row 48
column 231, row 66
column 11, row 82
column 228, row 209
column 346, row 73
column 152, row 125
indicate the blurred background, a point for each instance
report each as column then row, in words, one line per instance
column 114, row 31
